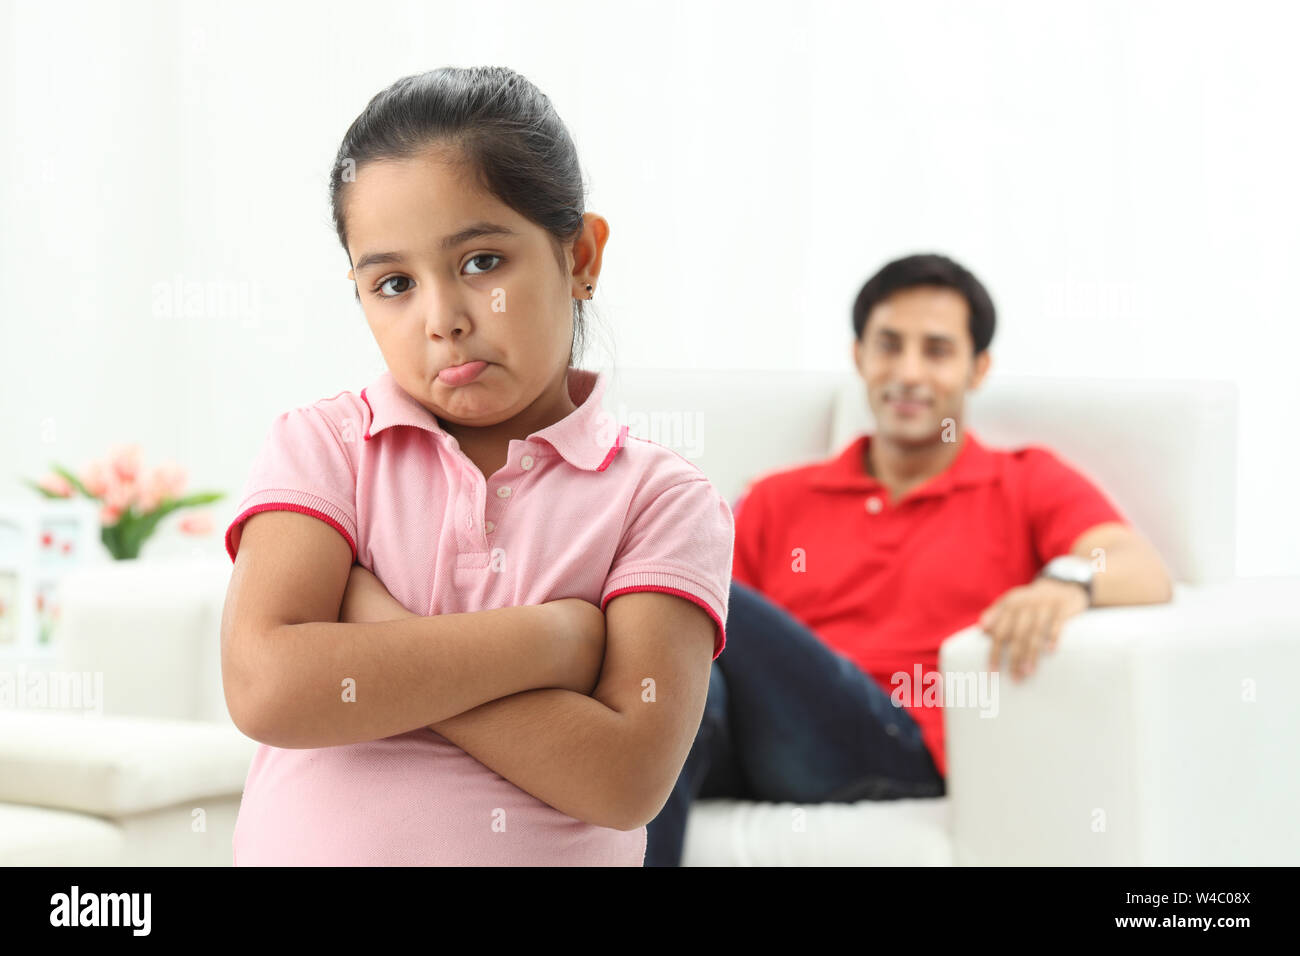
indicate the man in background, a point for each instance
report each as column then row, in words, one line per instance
column 849, row 573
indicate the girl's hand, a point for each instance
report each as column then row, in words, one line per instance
column 367, row 601
column 579, row 630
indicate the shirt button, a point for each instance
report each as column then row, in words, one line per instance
column 891, row 729
column 503, row 491
column 490, row 526
column 526, row 462
column 469, row 522
column 874, row 505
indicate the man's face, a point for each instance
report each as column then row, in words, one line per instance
column 499, row 298
column 915, row 358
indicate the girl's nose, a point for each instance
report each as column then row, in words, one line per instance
column 446, row 316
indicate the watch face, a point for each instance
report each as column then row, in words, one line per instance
column 1069, row 568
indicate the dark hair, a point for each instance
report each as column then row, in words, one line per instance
column 506, row 131
column 929, row 269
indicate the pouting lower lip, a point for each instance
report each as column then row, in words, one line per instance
column 456, row 375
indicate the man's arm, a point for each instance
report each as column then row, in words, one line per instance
column 610, row 759
column 1027, row 620
column 1127, row 567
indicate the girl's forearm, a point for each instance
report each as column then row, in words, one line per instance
column 325, row 684
column 566, row 749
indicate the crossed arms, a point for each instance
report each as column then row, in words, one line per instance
column 513, row 687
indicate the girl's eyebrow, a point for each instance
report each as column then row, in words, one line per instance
column 475, row 231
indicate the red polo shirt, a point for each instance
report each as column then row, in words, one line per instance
column 885, row 582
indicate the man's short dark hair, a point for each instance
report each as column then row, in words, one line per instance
column 933, row 270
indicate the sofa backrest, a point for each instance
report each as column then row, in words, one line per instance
column 1164, row 451
column 732, row 424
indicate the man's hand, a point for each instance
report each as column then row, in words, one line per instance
column 367, row 601
column 1028, row 619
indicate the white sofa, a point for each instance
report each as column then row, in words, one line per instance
column 153, row 774
column 1153, row 735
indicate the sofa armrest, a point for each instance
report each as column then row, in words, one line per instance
column 115, row 766
column 152, row 629
column 1160, row 734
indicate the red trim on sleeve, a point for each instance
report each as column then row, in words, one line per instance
column 718, row 644
column 285, row 506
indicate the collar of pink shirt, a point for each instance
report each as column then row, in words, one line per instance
column 587, row 437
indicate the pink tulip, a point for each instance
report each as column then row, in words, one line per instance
column 108, row 515
column 120, row 494
column 169, row 479
column 95, row 478
column 200, row 523
column 124, row 461
column 56, row 484
column 164, row 482
column 147, row 498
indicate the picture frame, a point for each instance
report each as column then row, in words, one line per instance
column 40, row 542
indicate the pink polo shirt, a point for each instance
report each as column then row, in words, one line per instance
column 580, row 509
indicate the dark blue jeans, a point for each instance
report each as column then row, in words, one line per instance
column 790, row 720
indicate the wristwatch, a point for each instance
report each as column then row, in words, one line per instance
column 1071, row 569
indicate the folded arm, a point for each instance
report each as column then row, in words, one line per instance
column 610, row 759
column 296, row 677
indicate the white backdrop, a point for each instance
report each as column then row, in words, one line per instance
column 1121, row 175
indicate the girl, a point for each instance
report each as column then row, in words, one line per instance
column 471, row 619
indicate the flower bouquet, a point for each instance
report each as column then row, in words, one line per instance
column 132, row 502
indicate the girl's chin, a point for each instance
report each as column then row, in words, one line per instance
column 471, row 414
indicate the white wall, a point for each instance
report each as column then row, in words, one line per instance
column 1121, row 175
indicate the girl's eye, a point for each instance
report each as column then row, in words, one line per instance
column 384, row 282
column 485, row 255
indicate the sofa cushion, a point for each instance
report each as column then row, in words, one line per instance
column 867, row 833
column 113, row 766
column 36, row 836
